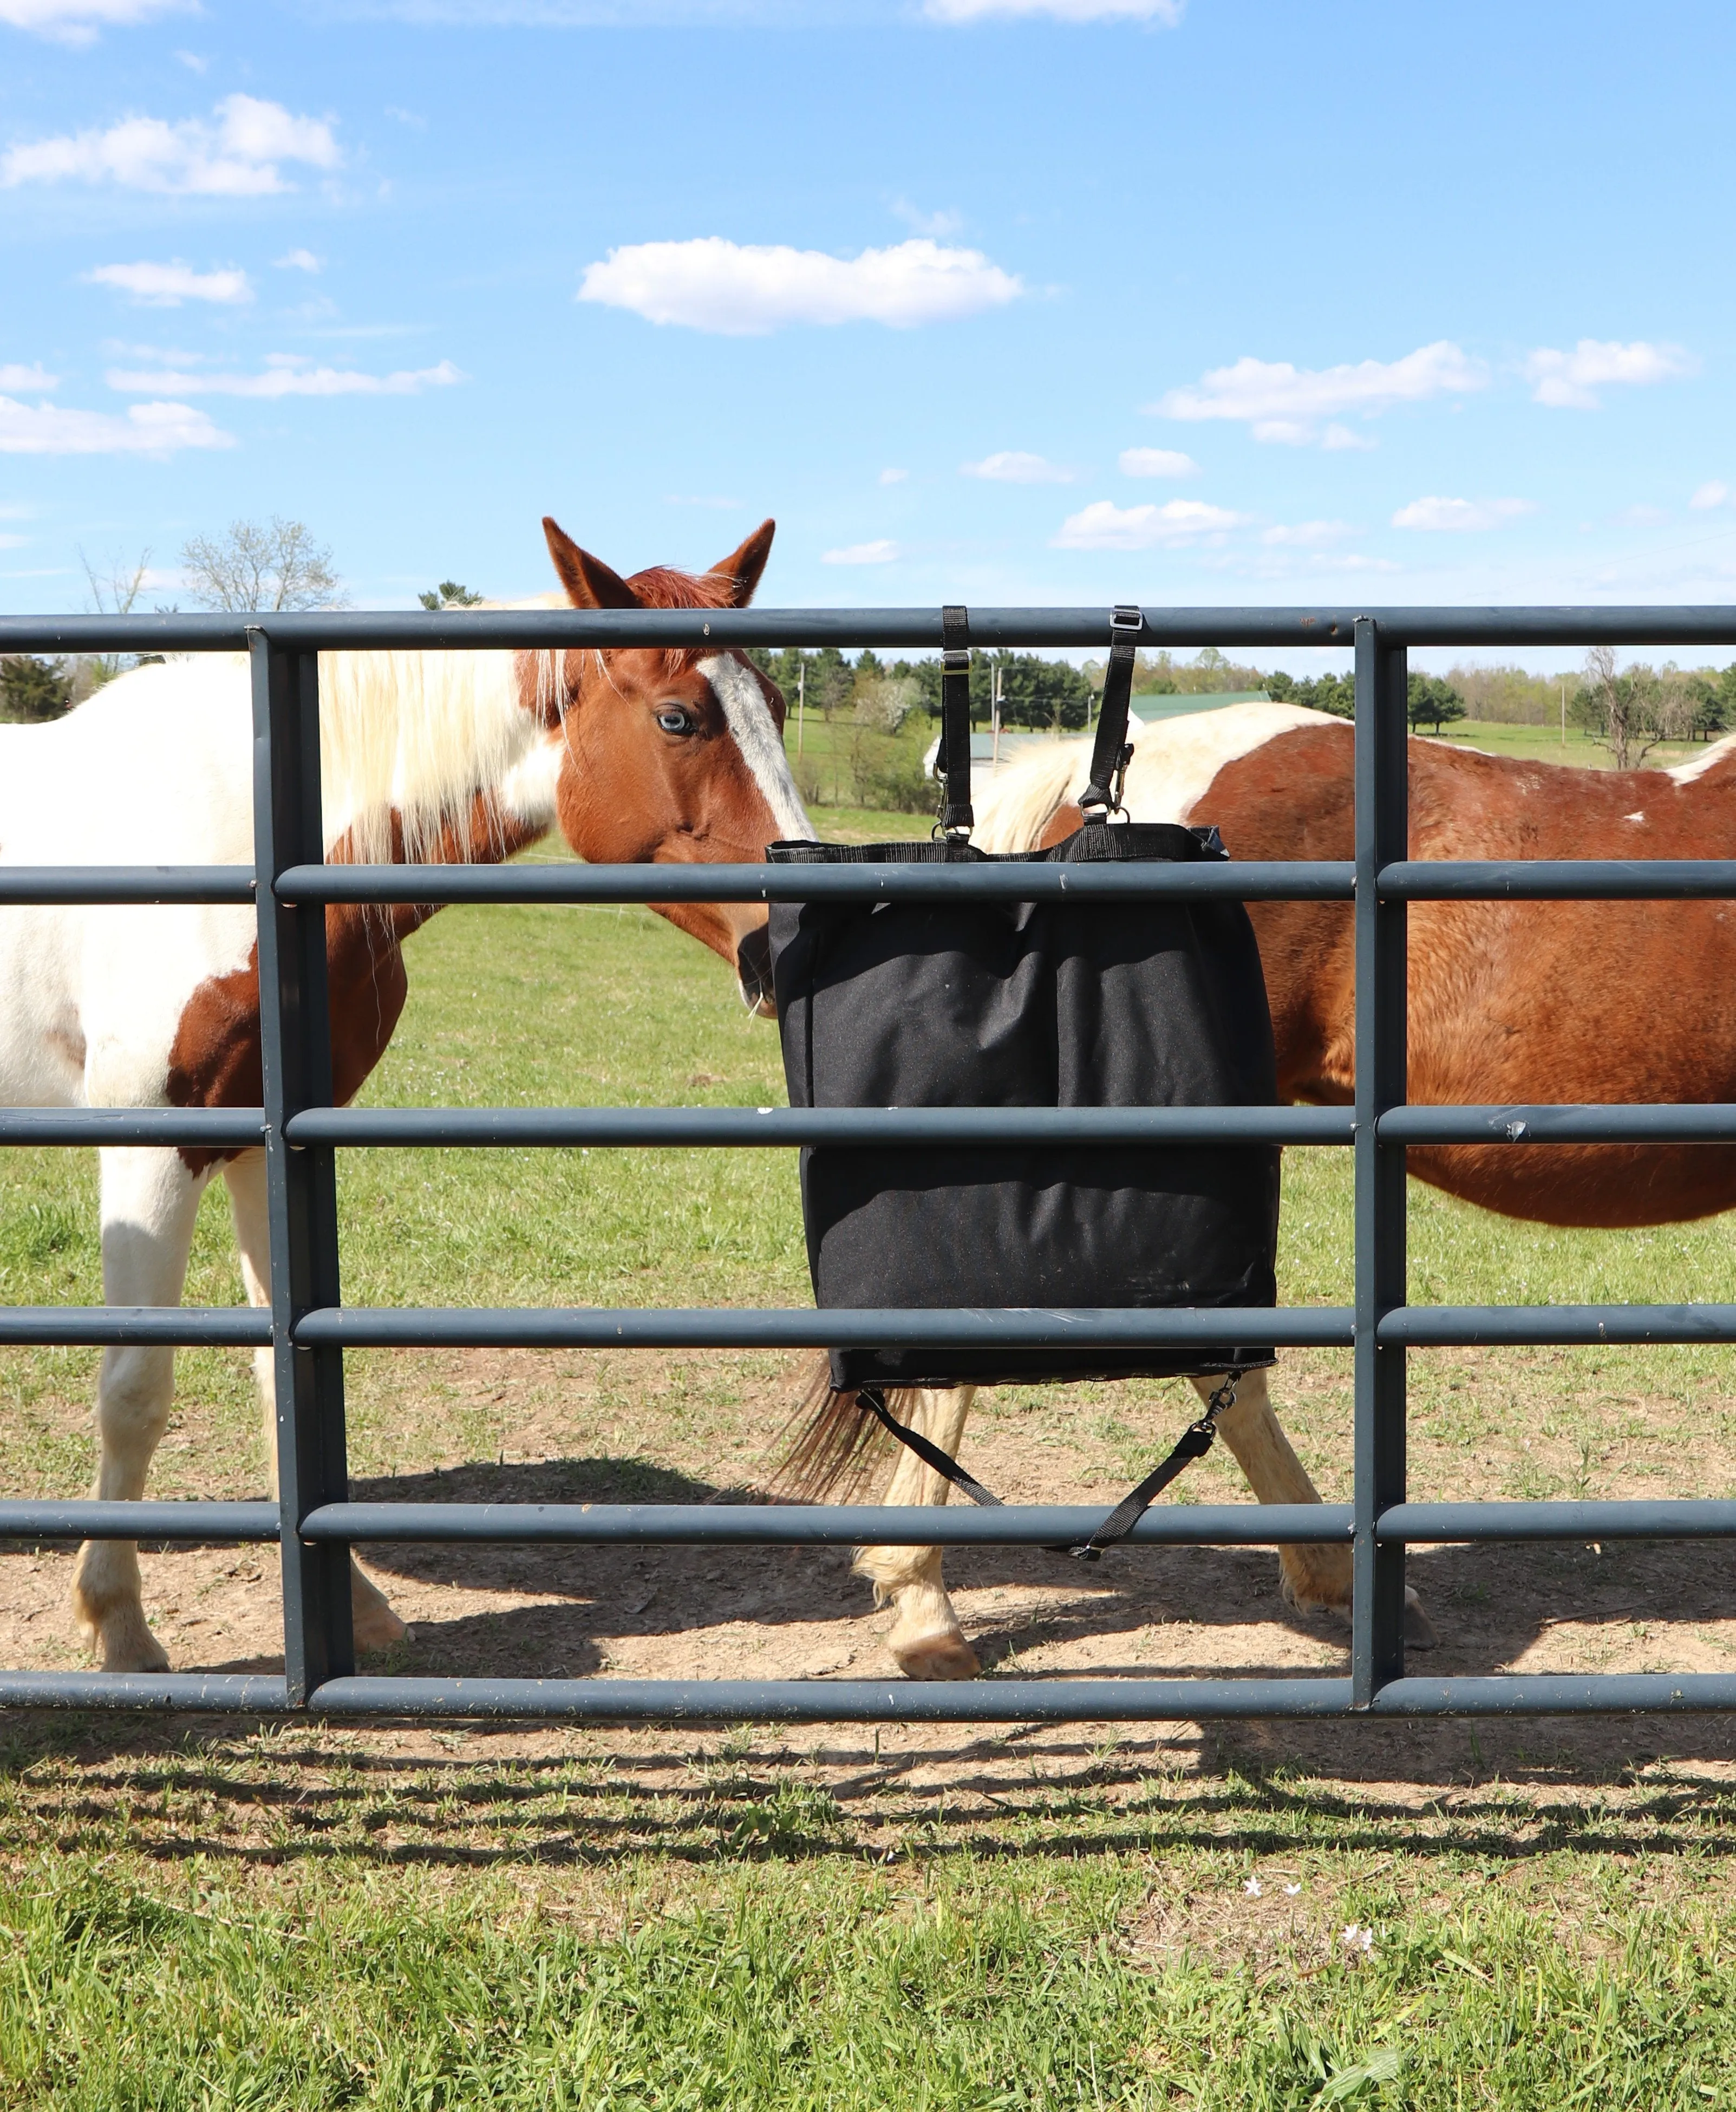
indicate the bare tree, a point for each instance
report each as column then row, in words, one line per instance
column 113, row 592
column 277, row 566
column 1630, row 711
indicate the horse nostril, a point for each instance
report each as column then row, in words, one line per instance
column 753, row 966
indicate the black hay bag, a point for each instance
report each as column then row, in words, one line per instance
column 1152, row 1003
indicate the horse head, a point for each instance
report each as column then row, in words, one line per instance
column 677, row 757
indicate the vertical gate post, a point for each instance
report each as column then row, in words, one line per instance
column 1382, row 782
column 295, row 1037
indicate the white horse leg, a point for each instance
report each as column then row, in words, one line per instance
column 376, row 1626
column 149, row 1202
column 1311, row 1576
column 926, row 1638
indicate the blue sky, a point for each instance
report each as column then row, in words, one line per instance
column 996, row 300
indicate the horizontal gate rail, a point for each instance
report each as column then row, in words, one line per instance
column 164, row 1326
column 802, row 1327
column 152, row 884
column 309, row 1328
column 207, row 1524
column 821, row 1525
column 955, row 1128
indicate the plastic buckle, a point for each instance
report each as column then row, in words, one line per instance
column 1125, row 616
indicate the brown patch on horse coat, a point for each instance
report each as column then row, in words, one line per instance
column 215, row 1059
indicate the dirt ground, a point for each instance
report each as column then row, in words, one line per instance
column 668, row 1613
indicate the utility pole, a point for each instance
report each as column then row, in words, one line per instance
column 1564, row 711
column 801, row 699
column 994, row 719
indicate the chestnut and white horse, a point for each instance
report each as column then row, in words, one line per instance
column 441, row 757
column 1510, row 1003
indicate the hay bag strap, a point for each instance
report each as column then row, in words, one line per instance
column 1194, row 1443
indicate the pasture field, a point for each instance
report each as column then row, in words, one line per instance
column 228, row 1914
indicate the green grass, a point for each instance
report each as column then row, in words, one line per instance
column 1543, row 744
column 431, row 1919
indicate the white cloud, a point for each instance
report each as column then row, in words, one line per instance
column 1570, row 380
column 1103, row 525
column 1336, row 439
column 894, row 476
column 1166, row 11
column 1642, row 515
column 28, row 377
column 77, row 21
column 287, row 373
column 1710, row 495
column 300, row 260
column 939, row 225
column 739, row 289
column 1285, row 404
column 882, row 552
column 148, row 429
column 1307, row 534
column 1010, row 466
column 1157, row 462
column 236, row 156
column 1461, row 516
column 167, row 285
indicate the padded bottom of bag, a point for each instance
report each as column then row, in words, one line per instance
column 1043, row 1367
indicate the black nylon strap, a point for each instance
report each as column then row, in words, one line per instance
column 1194, row 1443
column 931, row 1455
column 953, row 761
column 1110, row 753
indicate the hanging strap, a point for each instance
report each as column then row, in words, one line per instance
column 1111, row 754
column 952, row 763
column 1194, row 1443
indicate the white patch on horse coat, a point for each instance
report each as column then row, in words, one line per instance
column 1720, row 751
column 1639, row 816
column 1174, row 761
column 748, row 717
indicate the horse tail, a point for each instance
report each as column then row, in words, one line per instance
column 831, row 1446
column 1018, row 802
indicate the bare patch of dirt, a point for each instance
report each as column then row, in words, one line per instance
column 512, row 1428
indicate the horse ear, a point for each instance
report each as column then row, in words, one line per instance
column 588, row 582
column 745, row 565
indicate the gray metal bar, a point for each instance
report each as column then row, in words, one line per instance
column 1275, row 880
column 727, row 1327
column 709, row 1127
column 295, row 1040
column 207, row 1525
column 51, row 884
column 1377, row 1613
column 1437, row 1523
column 838, row 1701
column 831, row 1525
column 1620, row 1122
column 166, row 1326
column 1558, row 880
column 242, row 1693
column 920, row 628
column 1527, row 1327
column 1560, row 1694
column 214, row 1129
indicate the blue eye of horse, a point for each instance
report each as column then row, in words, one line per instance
column 673, row 720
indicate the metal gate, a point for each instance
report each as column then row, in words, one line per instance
column 308, row 1327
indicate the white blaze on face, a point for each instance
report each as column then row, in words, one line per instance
column 749, row 719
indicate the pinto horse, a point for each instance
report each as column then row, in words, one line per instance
column 446, row 758
column 1509, row 1003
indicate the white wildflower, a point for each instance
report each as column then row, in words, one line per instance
column 1357, row 1938
column 1293, row 1890
column 1252, row 1888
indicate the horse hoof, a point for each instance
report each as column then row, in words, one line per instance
column 943, row 1656
column 131, row 1647
column 1419, row 1629
column 372, row 1622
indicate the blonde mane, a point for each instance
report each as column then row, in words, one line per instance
column 417, row 736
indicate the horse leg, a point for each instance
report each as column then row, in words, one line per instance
column 926, row 1638
column 1311, row 1576
column 149, row 1202
column 376, row 1626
